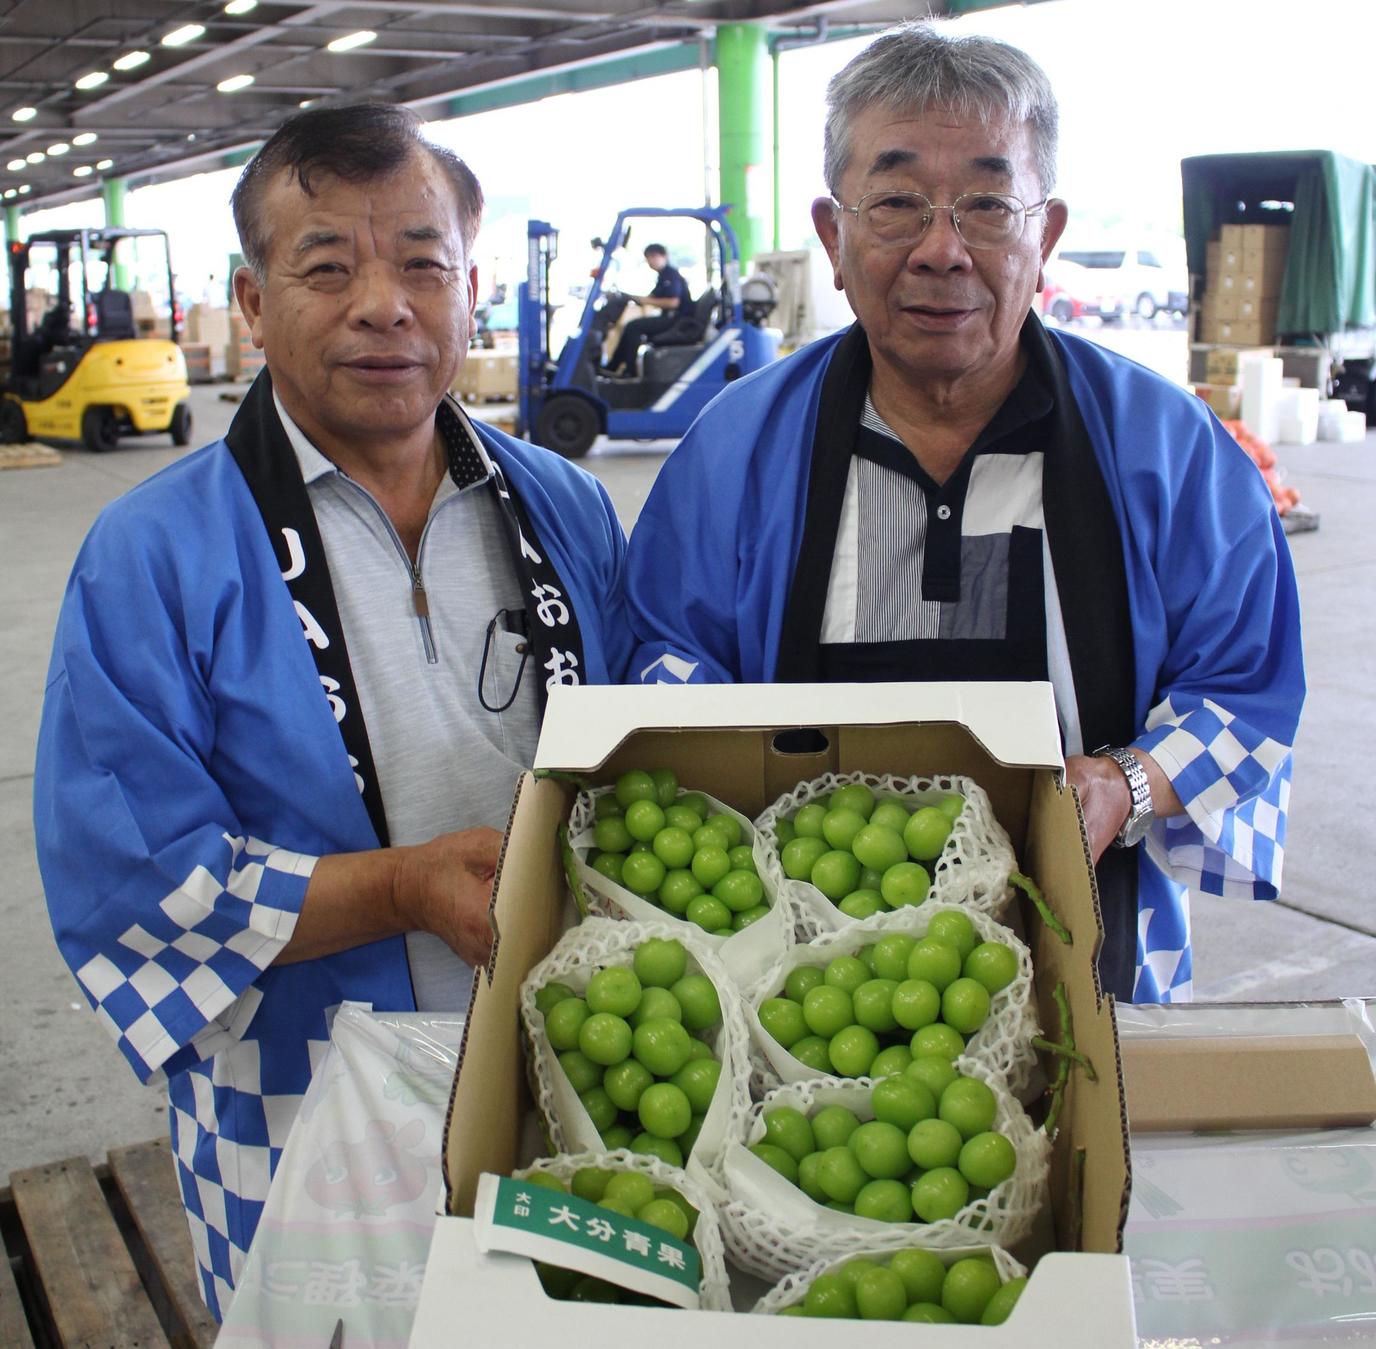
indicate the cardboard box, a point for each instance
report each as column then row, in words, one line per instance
column 1262, row 241
column 1250, row 332
column 722, row 740
column 1224, row 399
column 1235, row 306
column 1261, row 278
column 485, row 376
column 1244, row 247
column 1223, row 365
column 1248, row 1082
column 242, row 360
column 207, row 324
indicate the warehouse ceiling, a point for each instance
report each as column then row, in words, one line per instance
column 146, row 89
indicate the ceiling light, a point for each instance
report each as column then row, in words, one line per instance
column 233, row 83
column 240, row 6
column 106, row 164
column 93, row 80
column 24, row 114
column 347, row 44
column 17, row 165
column 179, row 37
column 130, row 60
column 10, row 192
column 85, row 138
column 25, row 187
column 82, row 171
column 60, row 148
column 36, row 156
column 305, row 103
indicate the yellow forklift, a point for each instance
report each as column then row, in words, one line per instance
column 82, row 371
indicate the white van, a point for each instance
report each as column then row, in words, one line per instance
column 1138, row 276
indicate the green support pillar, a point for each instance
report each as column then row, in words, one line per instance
column 11, row 224
column 112, row 191
column 777, row 159
column 744, row 97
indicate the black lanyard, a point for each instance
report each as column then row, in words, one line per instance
column 260, row 447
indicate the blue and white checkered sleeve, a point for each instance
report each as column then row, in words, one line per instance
column 1234, row 783
column 178, row 983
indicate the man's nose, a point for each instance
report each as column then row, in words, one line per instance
column 940, row 248
column 380, row 298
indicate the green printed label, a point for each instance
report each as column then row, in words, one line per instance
column 561, row 1229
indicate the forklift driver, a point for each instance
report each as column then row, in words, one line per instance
column 669, row 296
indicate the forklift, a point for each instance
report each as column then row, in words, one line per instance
column 566, row 404
column 83, row 372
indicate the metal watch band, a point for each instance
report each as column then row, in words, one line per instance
column 1141, row 815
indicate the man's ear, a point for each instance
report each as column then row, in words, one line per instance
column 828, row 231
column 249, row 294
column 472, row 300
column 1057, row 215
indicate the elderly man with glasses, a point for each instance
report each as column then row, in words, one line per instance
column 946, row 490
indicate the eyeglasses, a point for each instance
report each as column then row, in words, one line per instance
column 512, row 621
column 982, row 219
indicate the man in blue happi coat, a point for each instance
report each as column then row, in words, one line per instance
column 946, row 490
column 297, row 674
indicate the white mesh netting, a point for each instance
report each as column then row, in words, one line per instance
column 773, row 1229
column 714, row 1287
column 746, row 954
column 972, row 869
column 794, row 1287
column 1003, row 1044
column 595, row 944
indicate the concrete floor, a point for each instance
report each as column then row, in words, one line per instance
column 64, row 1090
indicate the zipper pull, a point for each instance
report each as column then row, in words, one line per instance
column 418, row 596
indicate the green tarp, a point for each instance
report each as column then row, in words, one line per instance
column 1330, row 268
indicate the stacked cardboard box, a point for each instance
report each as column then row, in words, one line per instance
column 206, row 323
column 1244, row 270
column 205, row 362
column 242, row 359
column 486, row 376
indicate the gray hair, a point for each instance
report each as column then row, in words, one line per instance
column 916, row 66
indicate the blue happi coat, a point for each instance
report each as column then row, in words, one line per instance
column 1218, row 675
column 189, row 772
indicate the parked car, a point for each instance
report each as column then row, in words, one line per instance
column 1075, row 292
column 1137, row 277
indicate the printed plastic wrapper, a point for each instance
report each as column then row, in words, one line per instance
column 793, row 1288
column 715, row 1287
column 746, row 954
column 972, row 870
column 346, row 1228
column 595, row 944
column 1003, row 1044
column 1248, row 1238
column 773, row 1228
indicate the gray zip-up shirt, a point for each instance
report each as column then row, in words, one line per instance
column 443, row 761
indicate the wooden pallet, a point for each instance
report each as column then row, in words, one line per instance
column 29, row 455
column 100, row 1256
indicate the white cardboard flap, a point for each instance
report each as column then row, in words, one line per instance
column 1014, row 721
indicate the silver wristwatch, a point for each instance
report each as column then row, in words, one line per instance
column 1141, row 815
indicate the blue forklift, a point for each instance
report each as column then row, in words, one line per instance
column 565, row 404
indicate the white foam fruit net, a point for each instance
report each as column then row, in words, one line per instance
column 746, row 954
column 773, row 1229
column 793, row 1288
column 972, row 869
column 595, row 944
column 1003, row 1044
column 715, row 1287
